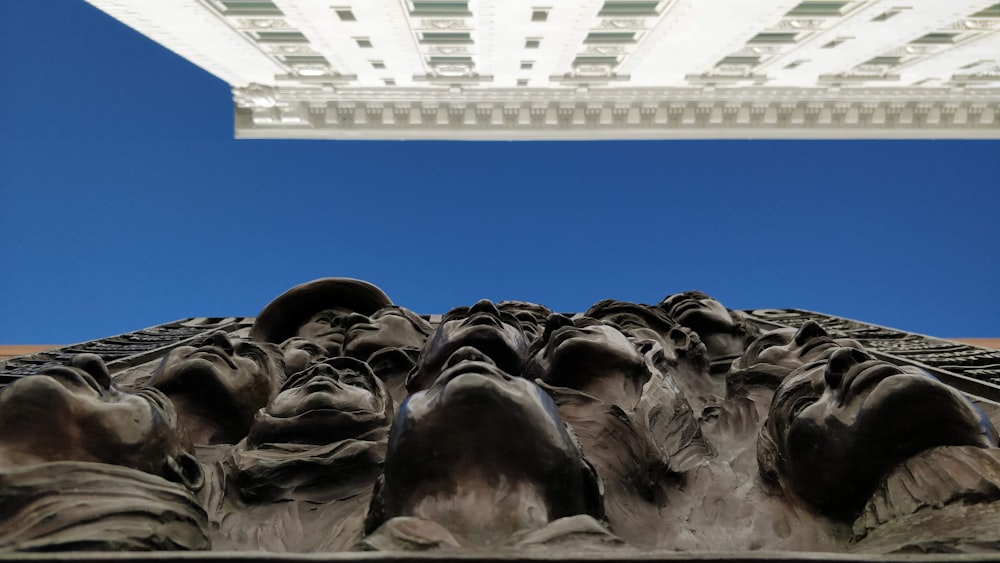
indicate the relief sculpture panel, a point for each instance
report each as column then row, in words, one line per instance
column 339, row 422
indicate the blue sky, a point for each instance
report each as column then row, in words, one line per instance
column 125, row 202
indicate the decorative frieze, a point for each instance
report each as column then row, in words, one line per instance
column 594, row 113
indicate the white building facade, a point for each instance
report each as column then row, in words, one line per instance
column 591, row 69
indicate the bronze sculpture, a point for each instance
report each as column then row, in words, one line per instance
column 504, row 428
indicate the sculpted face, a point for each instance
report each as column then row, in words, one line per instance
column 326, row 329
column 698, row 311
column 635, row 320
column 531, row 316
column 300, row 353
column 723, row 335
column 221, row 380
column 836, row 427
column 74, row 413
column 335, row 399
column 334, row 384
column 496, row 334
column 389, row 327
column 590, row 356
column 791, row 348
column 517, row 444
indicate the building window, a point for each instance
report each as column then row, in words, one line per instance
column 884, row 16
column 775, row 37
column 458, row 8
column 741, row 61
column 304, row 59
column 527, row 65
column 377, row 64
column 975, row 64
column 281, row 37
column 935, row 38
column 585, row 60
column 884, row 61
column 532, row 43
column 446, row 38
column 389, row 81
column 610, row 37
column 250, row 8
column 345, row 14
column 539, row 14
column 835, row 42
column 522, row 82
column 796, row 64
column 617, row 8
column 449, row 60
column 991, row 12
column 822, row 9
column 363, row 42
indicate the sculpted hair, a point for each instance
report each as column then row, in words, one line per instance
column 770, row 462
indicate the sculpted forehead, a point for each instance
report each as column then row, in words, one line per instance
column 496, row 334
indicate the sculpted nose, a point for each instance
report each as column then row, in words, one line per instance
column 554, row 323
column 484, row 306
column 353, row 319
column 808, row 331
column 325, row 370
column 840, row 363
column 221, row 340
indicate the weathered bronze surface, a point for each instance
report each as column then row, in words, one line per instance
column 338, row 423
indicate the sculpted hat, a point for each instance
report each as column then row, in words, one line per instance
column 282, row 317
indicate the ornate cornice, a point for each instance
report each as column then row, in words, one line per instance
column 624, row 113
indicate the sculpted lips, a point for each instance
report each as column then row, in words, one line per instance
column 863, row 379
column 470, row 361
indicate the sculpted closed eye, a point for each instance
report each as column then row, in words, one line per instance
column 253, row 352
column 357, row 380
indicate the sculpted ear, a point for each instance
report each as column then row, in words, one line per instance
column 376, row 510
column 186, row 470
